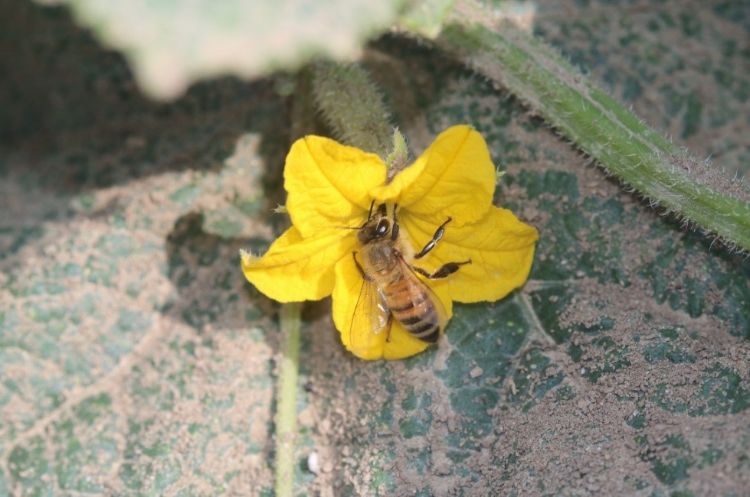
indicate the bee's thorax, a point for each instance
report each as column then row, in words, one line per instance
column 382, row 258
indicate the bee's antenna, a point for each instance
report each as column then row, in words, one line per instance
column 369, row 214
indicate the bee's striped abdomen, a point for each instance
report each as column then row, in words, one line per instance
column 411, row 306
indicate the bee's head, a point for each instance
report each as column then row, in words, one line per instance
column 376, row 227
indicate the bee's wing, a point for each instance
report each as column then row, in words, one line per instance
column 371, row 316
column 381, row 318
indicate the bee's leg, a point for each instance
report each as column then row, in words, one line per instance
column 394, row 229
column 435, row 238
column 361, row 271
column 442, row 271
column 389, row 325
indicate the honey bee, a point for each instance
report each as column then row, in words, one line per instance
column 392, row 287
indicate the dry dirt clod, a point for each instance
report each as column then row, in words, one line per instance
column 476, row 372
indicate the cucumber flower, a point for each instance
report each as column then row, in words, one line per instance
column 331, row 187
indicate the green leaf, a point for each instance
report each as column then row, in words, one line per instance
column 607, row 375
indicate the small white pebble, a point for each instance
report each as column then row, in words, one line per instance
column 313, row 463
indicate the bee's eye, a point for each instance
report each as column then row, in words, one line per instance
column 382, row 227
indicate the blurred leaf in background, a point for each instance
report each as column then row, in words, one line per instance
column 171, row 44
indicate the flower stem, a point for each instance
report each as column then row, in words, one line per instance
column 693, row 190
column 286, row 412
column 355, row 110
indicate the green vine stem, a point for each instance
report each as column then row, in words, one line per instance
column 286, row 412
column 693, row 190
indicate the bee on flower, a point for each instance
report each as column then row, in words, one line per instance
column 416, row 243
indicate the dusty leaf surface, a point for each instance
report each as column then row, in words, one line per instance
column 134, row 359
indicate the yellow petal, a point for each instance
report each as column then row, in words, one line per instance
column 453, row 177
column 328, row 183
column 500, row 247
column 401, row 344
column 295, row 268
column 356, row 332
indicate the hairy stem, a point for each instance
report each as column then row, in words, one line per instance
column 286, row 413
column 352, row 106
column 596, row 123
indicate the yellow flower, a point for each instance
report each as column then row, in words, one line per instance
column 331, row 186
